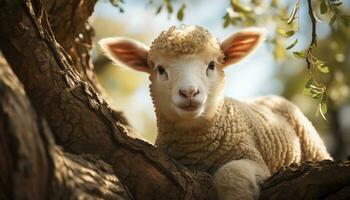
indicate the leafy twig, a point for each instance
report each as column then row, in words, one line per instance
column 313, row 41
column 313, row 22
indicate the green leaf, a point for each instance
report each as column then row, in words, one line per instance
column 181, row 12
column 285, row 33
column 306, row 91
column 323, row 68
column 323, row 7
column 274, row 3
column 116, row 3
column 345, row 22
column 226, row 20
column 309, row 83
column 307, row 87
column 337, row 3
column 323, row 108
column 170, row 8
column 292, row 15
column 346, row 17
column 299, row 54
column 159, row 9
column 316, row 93
column 292, row 45
column 240, row 8
column 334, row 17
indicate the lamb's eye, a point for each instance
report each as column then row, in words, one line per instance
column 162, row 73
column 160, row 70
column 211, row 65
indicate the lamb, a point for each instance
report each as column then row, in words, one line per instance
column 240, row 142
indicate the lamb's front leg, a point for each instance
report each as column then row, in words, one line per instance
column 240, row 179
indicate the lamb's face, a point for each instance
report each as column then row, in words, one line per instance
column 186, row 68
column 187, row 87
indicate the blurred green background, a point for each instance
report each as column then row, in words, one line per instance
column 270, row 70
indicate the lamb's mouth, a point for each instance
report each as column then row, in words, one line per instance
column 189, row 111
column 189, row 108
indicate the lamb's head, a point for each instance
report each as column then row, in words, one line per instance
column 186, row 67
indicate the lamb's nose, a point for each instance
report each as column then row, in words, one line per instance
column 188, row 93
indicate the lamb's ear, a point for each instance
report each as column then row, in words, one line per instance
column 126, row 52
column 240, row 44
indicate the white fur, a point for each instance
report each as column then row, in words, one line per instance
column 268, row 131
column 240, row 143
column 181, row 72
column 239, row 175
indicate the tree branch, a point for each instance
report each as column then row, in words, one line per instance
column 81, row 121
column 322, row 180
column 67, row 19
column 33, row 167
column 313, row 41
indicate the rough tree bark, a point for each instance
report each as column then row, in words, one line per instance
column 74, row 34
column 79, row 119
column 68, row 21
column 33, row 167
column 323, row 180
column 82, row 123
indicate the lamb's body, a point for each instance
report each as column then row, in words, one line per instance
column 240, row 143
column 269, row 130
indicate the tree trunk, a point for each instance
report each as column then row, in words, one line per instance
column 62, row 90
column 68, row 21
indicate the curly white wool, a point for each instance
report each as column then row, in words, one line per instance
column 184, row 40
column 244, row 143
column 269, row 130
column 240, row 143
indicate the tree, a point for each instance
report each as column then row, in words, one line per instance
column 93, row 153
